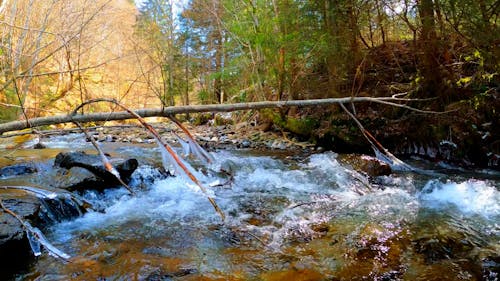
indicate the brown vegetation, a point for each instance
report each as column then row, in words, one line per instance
column 242, row 51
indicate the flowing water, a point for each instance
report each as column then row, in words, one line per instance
column 288, row 217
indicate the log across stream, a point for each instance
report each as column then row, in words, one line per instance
column 289, row 215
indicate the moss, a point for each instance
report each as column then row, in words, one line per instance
column 201, row 118
column 220, row 120
column 271, row 115
column 301, row 126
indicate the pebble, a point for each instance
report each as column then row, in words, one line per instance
column 137, row 140
column 277, row 144
column 241, row 135
column 245, row 143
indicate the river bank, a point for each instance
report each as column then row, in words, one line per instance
column 292, row 210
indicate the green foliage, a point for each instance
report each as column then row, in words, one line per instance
column 203, row 96
column 476, row 75
column 201, row 118
column 289, row 49
column 9, row 113
column 482, row 103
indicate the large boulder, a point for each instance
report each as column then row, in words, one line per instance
column 26, row 207
column 15, row 252
column 97, row 177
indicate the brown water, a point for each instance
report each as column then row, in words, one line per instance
column 287, row 219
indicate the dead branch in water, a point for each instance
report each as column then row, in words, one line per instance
column 173, row 110
column 167, row 147
column 194, row 146
column 105, row 161
column 36, row 234
column 380, row 151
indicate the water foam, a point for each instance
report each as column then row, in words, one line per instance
column 170, row 199
column 469, row 197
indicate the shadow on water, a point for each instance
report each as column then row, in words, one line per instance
column 288, row 218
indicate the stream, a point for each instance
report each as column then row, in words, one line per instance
column 288, row 217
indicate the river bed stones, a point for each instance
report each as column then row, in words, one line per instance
column 17, row 170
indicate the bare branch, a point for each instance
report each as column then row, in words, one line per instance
column 173, row 110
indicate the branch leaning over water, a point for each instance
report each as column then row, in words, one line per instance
column 163, row 147
column 37, row 235
column 173, row 110
column 105, row 161
column 380, row 151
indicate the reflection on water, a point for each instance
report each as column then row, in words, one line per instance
column 312, row 219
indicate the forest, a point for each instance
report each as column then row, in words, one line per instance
column 442, row 55
column 249, row 140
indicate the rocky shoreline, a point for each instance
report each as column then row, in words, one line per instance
column 40, row 212
column 82, row 169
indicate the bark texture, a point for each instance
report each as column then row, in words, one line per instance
column 168, row 111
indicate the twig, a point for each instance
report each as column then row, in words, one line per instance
column 106, row 163
column 37, row 234
column 377, row 146
column 166, row 146
column 198, row 151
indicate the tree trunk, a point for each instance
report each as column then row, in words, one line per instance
column 219, row 54
column 429, row 44
column 172, row 110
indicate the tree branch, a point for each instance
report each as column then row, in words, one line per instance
column 172, row 110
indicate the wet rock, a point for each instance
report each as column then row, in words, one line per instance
column 376, row 250
column 39, row 145
column 277, row 144
column 27, row 207
column 17, row 170
column 101, row 178
column 245, row 143
column 293, row 274
column 491, row 268
column 15, row 252
column 15, row 257
column 440, row 247
column 366, row 164
column 169, row 275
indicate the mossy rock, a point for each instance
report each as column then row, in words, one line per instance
column 201, row 118
column 301, row 126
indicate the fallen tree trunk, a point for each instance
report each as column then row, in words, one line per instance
column 168, row 111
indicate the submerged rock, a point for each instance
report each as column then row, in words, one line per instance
column 366, row 164
column 17, row 170
column 27, row 207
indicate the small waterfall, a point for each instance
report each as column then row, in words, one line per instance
column 313, row 216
